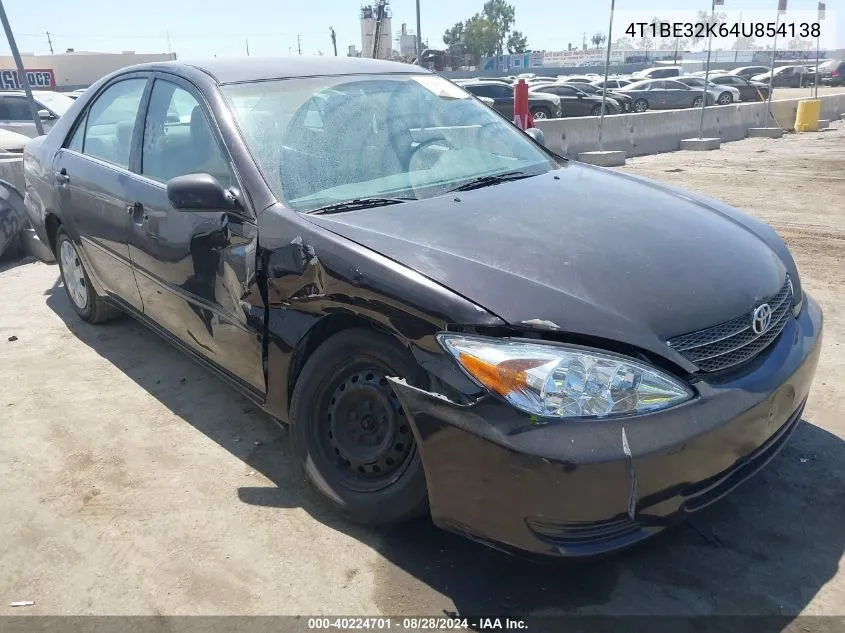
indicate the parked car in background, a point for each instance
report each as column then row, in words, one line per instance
column 748, row 71
column 722, row 95
column 664, row 94
column 577, row 78
column 787, row 77
column 659, row 72
column 576, row 102
column 541, row 105
column 12, row 142
column 832, row 73
column 376, row 260
column 612, row 83
column 748, row 90
column 16, row 116
column 625, row 102
column 75, row 94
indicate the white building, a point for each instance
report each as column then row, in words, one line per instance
column 81, row 69
column 407, row 42
column 369, row 25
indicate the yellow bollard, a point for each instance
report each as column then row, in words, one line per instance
column 807, row 116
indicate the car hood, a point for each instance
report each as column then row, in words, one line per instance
column 583, row 250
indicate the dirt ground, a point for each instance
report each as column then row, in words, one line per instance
column 134, row 482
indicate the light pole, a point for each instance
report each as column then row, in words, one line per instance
column 818, row 51
column 707, row 66
column 606, row 70
column 33, row 110
column 781, row 7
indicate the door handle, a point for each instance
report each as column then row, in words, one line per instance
column 132, row 208
column 136, row 210
column 61, row 176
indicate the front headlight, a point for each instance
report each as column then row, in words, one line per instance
column 564, row 382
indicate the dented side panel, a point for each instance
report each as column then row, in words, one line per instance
column 313, row 274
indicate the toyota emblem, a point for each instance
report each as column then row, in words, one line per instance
column 761, row 319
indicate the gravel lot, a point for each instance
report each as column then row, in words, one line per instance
column 134, row 482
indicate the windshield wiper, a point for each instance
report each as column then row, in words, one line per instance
column 357, row 203
column 486, row 181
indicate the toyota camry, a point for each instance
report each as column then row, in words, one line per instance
column 451, row 318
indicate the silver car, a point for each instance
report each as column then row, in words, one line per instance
column 723, row 95
column 663, row 94
column 16, row 116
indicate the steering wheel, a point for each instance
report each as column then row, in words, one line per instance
column 426, row 143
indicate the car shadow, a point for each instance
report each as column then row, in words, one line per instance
column 766, row 549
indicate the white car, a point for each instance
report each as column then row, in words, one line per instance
column 16, row 116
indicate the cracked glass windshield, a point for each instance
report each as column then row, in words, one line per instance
column 324, row 140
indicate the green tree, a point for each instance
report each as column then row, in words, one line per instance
column 598, row 39
column 703, row 17
column 454, row 35
column 799, row 44
column 480, row 37
column 501, row 15
column 744, row 43
column 624, row 43
column 517, row 42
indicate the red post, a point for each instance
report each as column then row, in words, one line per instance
column 521, row 114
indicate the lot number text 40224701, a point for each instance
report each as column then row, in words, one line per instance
column 737, row 29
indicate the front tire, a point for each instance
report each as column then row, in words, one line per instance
column 696, row 103
column 540, row 114
column 640, row 105
column 726, row 98
column 350, row 432
column 84, row 299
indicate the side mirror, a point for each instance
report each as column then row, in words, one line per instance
column 199, row 192
column 44, row 114
column 537, row 135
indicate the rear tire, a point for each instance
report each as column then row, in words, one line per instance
column 350, row 432
column 596, row 111
column 696, row 103
column 640, row 105
column 85, row 301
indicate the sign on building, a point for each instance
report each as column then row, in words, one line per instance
column 42, row 78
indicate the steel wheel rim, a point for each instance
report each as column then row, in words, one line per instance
column 73, row 275
column 363, row 432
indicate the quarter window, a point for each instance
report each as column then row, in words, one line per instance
column 178, row 138
column 14, row 109
column 111, row 122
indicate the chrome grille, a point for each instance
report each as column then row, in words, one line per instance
column 734, row 342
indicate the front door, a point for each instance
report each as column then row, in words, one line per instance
column 194, row 269
column 91, row 174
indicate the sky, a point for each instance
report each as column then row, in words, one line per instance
column 195, row 29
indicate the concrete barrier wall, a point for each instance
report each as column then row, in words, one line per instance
column 662, row 130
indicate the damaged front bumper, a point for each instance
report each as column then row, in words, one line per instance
column 576, row 488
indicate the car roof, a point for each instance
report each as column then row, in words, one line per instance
column 244, row 69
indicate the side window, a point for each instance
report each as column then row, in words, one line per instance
column 111, row 121
column 565, row 91
column 14, row 109
column 178, row 138
column 479, row 91
column 656, row 85
column 76, row 141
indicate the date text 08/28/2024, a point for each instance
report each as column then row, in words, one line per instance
column 422, row 623
column 737, row 29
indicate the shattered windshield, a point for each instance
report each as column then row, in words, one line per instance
column 324, row 140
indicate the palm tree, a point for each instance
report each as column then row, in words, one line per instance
column 598, row 39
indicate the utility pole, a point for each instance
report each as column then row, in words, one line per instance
column 169, row 51
column 247, row 46
column 781, row 9
column 299, row 44
column 334, row 40
column 584, row 41
column 49, row 42
column 33, row 110
column 606, row 70
column 419, row 37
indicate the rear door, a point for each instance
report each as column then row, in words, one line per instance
column 194, row 268
column 656, row 94
column 569, row 102
column 91, row 175
column 15, row 115
column 503, row 96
